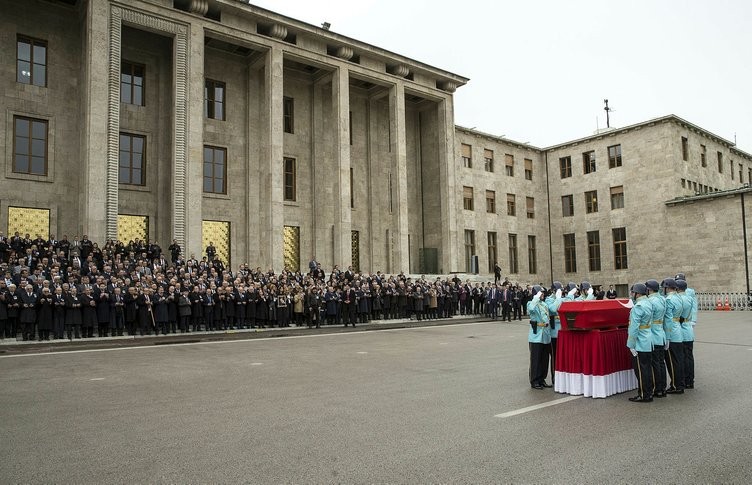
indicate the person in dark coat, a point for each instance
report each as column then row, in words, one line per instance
column 58, row 302
column 117, row 312
column 172, row 309
column 161, row 314
column 228, row 304
column 73, row 313
column 3, row 306
column 197, row 315
column 348, row 305
column 313, row 304
column 284, row 302
column 131, row 310
column 331, row 299
column 88, row 313
column 145, row 312
column 102, row 296
column 45, row 314
column 28, row 316
column 13, row 302
column 208, row 303
column 241, row 302
column 362, row 296
column 184, row 310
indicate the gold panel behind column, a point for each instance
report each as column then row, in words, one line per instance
column 291, row 251
column 29, row 221
column 130, row 228
column 356, row 251
column 217, row 232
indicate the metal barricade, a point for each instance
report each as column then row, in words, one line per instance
column 723, row 301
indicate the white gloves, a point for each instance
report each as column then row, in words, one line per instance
column 558, row 293
column 693, row 323
column 665, row 347
column 572, row 292
column 634, row 352
column 537, row 297
column 590, row 292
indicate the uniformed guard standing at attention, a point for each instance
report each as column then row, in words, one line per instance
column 688, row 332
column 640, row 342
column 658, row 305
column 586, row 292
column 672, row 327
column 554, row 301
column 539, row 339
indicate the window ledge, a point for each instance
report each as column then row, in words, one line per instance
column 134, row 188
column 26, row 176
column 212, row 195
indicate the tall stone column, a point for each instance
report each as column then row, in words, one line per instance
column 271, row 169
column 450, row 258
column 101, row 55
column 188, row 141
column 399, row 178
column 343, row 221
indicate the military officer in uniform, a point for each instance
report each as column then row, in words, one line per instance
column 553, row 302
column 640, row 342
column 660, row 342
column 672, row 327
column 586, row 292
column 688, row 332
column 539, row 339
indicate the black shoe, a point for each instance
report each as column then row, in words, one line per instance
column 641, row 399
column 544, row 384
column 675, row 391
column 537, row 387
column 689, row 386
column 659, row 394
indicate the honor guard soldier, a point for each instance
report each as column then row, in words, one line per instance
column 672, row 327
column 688, row 333
column 539, row 339
column 586, row 292
column 658, row 305
column 553, row 302
column 640, row 342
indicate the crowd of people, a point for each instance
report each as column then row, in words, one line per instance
column 55, row 289
column 660, row 333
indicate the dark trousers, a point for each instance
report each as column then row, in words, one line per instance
column 675, row 365
column 659, row 369
column 185, row 323
column 553, row 359
column 28, row 330
column 644, row 371
column 492, row 310
column 538, row 362
column 517, row 310
column 506, row 311
column 118, row 321
column 689, row 364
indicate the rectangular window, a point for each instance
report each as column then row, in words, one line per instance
column 29, row 145
column 467, row 156
column 528, row 169
column 703, row 156
column 469, row 249
column 614, row 156
column 570, row 254
column 511, row 206
column 350, row 128
column 132, row 159
column 622, row 291
column 290, row 179
column 741, row 172
column 685, row 148
column 620, row 247
column 488, row 158
column 731, row 169
column 594, row 250
column 683, row 182
column 567, row 205
column 513, row 266
column 617, row 196
column 214, row 100
column 565, row 166
column 352, row 190
column 720, row 162
column 749, row 175
column 491, row 251
column 31, row 61
column 530, row 206
column 509, row 163
column 591, row 201
column 288, row 112
column 390, row 193
column 532, row 256
column 215, row 170
column 490, row 201
column 132, row 83
column 467, row 198
column 588, row 162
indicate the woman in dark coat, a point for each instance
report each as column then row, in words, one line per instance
column 196, row 308
column 229, row 308
column 73, row 313
column 241, row 302
column 262, row 308
column 45, row 314
column 145, row 312
column 131, row 310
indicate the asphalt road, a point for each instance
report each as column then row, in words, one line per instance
column 413, row 405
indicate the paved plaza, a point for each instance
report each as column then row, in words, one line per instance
column 413, row 405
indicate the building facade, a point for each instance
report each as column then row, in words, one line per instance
column 218, row 121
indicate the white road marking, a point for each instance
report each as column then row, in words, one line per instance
column 220, row 342
column 257, row 363
column 536, row 407
column 97, row 379
column 362, row 352
column 443, row 343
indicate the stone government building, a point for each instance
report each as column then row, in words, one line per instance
column 216, row 120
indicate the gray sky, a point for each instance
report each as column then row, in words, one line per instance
column 539, row 70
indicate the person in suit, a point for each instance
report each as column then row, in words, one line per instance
column 161, row 313
column 145, row 312
column 492, row 301
column 88, row 312
column 117, row 312
column 131, row 310
column 208, row 303
column 28, row 315
column 58, row 303
column 73, row 313
column 539, row 339
column 45, row 314
column 184, row 310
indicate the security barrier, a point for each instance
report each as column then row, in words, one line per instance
column 723, row 301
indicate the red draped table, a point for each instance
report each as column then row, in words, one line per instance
column 593, row 363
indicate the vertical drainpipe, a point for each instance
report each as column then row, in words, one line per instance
column 550, row 241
